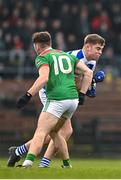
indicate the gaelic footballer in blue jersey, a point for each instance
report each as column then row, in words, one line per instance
column 89, row 55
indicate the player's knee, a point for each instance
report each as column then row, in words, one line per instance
column 66, row 133
column 69, row 133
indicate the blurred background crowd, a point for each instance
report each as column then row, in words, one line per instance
column 97, row 125
column 67, row 21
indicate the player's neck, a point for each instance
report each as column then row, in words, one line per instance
column 42, row 50
column 87, row 55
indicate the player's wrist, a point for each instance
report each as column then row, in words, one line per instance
column 81, row 98
column 28, row 94
column 82, row 94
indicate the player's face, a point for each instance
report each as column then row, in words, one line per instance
column 95, row 51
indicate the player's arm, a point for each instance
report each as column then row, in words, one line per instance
column 87, row 75
column 41, row 80
column 38, row 84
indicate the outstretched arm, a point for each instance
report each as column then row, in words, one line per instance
column 38, row 84
column 40, row 81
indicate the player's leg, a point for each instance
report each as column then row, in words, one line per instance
column 51, row 121
column 16, row 153
column 22, row 149
column 68, row 114
column 61, row 145
column 46, row 124
column 66, row 132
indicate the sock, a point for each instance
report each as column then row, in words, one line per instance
column 29, row 160
column 66, row 162
column 21, row 150
column 30, row 157
column 27, row 163
column 45, row 162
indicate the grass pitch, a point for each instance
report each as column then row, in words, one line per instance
column 82, row 169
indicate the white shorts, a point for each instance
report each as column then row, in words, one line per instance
column 42, row 95
column 64, row 108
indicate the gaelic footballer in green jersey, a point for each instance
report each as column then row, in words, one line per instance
column 59, row 86
column 64, row 106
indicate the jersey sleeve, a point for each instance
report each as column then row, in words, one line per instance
column 40, row 60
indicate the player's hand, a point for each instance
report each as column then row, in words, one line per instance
column 23, row 100
column 81, row 98
column 99, row 76
column 91, row 92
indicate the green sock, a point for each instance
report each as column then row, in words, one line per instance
column 66, row 162
column 30, row 157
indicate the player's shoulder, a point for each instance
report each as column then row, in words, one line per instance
column 49, row 52
column 38, row 58
column 41, row 59
column 72, row 57
column 74, row 51
column 77, row 53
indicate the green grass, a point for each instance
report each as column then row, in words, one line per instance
column 82, row 169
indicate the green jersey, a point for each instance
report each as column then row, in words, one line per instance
column 61, row 83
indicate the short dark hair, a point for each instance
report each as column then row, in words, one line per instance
column 43, row 37
column 94, row 39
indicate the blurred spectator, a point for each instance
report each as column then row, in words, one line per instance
column 2, row 50
column 117, row 44
column 116, row 16
column 60, row 42
column 44, row 13
column 95, row 8
column 110, row 64
column 101, row 19
column 82, row 24
column 72, row 42
column 8, row 39
column 55, row 26
column 66, row 18
column 17, row 56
